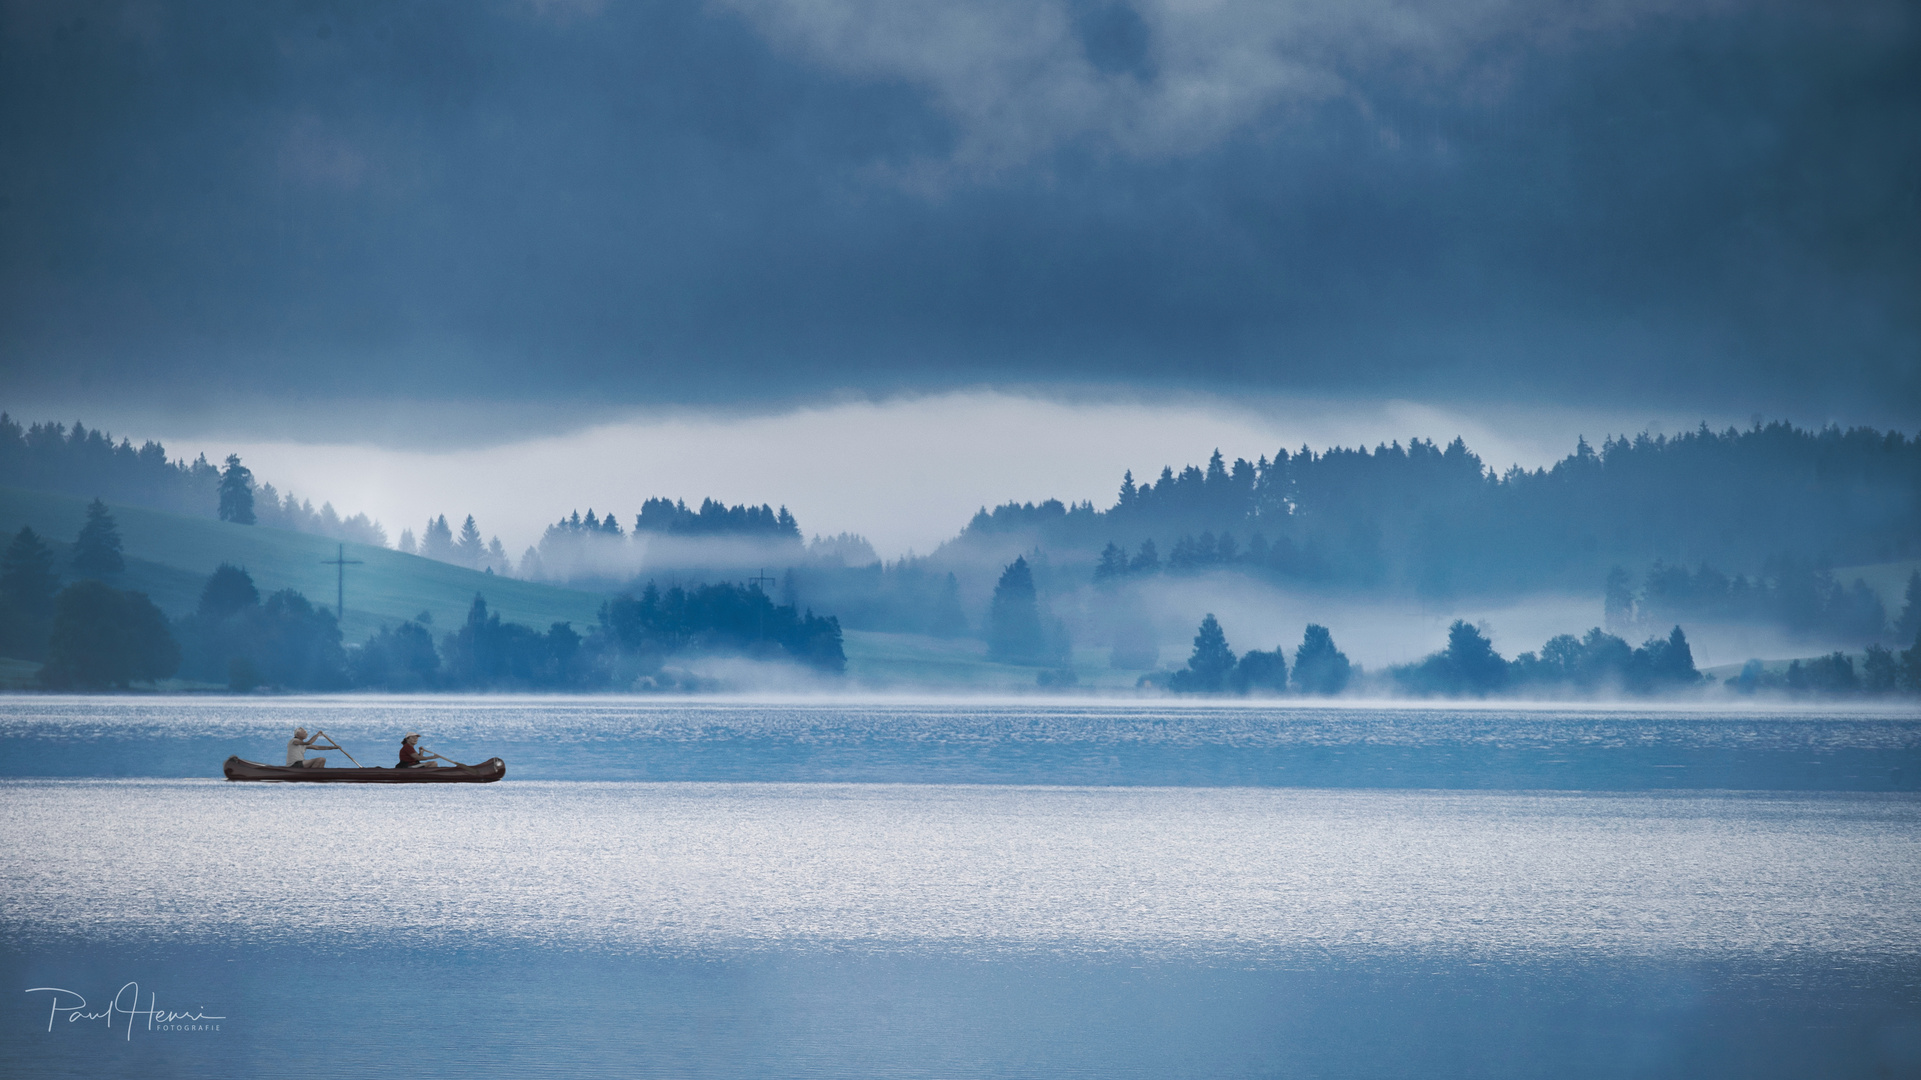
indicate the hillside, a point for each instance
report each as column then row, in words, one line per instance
column 169, row 557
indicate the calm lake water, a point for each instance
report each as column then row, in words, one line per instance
column 1012, row 890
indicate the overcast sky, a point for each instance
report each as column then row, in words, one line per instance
column 421, row 226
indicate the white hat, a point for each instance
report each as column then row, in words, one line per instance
column 410, row 735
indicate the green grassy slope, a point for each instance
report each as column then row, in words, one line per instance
column 169, row 557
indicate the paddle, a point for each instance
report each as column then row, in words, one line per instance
column 334, row 744
column 426, row 753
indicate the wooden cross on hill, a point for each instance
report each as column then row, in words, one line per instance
column 340, row 563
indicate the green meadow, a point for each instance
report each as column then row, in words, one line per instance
column 169, row 557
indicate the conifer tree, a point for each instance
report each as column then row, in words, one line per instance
column 471, row 550
column 1879, row 671
column 1909, row 624
column 1209, row 666
column 236, row 492
column 1148, row 561
column 949, row 621
column 437, row 540
column 1319, row 667
column 28, row 584
column 1907, row 676
column 97, row 551
column 1014, row 631
column 1618, row 600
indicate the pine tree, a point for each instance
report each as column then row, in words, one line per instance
column 1909, row 624
column 1148, row 561
column 1675, row 661
column 1879, row 671
column 1208, row 668
column 1617, row 606
column 471, row 550
column 1319, row 667
column 437, row 540
column 406, row 545
column 1908, row 672
column 28, row 584
column 949, row 620
column 97, row 551
column 1014, row 631
column 236, row 492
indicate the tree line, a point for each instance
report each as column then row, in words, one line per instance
column 593, row 547
column 1596, row 663
column 438, row 542
column 90, row 635
column 1803, row 599
column 86, row 634
column 1436, row 520
column 87, row 462
column 1320, row 669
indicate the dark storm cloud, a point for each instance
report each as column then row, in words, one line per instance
column 1714, row 207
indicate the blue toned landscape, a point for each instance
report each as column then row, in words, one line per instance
column 1057, row 889
column 960, row 539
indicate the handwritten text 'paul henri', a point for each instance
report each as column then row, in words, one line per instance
column 73, row 1008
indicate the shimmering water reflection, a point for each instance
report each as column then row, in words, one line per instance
column 1632, row 747
column 985, row 869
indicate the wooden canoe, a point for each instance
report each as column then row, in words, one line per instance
column 484, row 773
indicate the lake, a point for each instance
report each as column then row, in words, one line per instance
column 1000, row 889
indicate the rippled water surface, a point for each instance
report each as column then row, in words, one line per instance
column 1594, row 748
column 1153, row 871
column 955, row 890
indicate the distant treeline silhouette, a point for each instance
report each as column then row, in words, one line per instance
column 1805, row 600
column 1437, row 521
column 1595, row 664
column 89, row 464
column 1320, row 669
column 595, row 549
column 92, row 635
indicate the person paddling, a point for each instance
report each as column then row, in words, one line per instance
column 411, row 755
column 297, row 750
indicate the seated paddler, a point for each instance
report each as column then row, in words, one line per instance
column 411, row 755
column 297, row 751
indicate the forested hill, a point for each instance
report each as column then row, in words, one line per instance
column 1436, row 520
column 88, row 464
